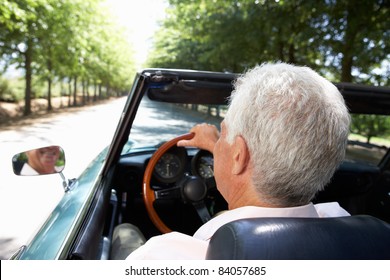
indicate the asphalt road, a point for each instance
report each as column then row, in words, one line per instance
column 26, row 202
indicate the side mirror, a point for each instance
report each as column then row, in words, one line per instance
column 41, row 161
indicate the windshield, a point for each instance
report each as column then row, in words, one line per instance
column 369, row 139
column 157, row 122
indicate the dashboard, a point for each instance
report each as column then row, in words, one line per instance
column 174, row 163
column 177, row 164
column 178, row 161
column 351, row 182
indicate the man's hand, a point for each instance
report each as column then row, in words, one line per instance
column 206, row 135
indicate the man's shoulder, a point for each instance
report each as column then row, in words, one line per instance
column 330, row 209
column 171, row 246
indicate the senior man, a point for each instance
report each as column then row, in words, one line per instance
column 283, row 136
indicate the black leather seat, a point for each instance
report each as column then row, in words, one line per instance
column 356, row 237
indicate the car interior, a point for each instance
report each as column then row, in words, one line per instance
column 161, row 187
column 359, row 237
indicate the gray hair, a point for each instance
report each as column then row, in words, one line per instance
column 296, row 126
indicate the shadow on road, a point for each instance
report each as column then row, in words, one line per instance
column 11, row 123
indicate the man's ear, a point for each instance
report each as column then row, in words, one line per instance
column 241, row 156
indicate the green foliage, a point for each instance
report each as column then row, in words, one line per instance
column 345, row 40
column 5, row 90
column 370, row 126
column 11, row 90
column 55, row 40
column 22, row 157
column 356, row 38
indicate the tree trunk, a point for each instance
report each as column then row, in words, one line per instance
column 349, row 41
column 27, row 96
column 291, row 54
column 70, row 92
column 84, row 94
column 107, row 90
column 49, row 107
column 346, row 70
column 75, row 92
column 87, row 90
column 281, row 51
column 95, row 89
column 49, row 82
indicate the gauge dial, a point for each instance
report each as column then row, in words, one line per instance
column 203, row 164
column 168, row 167
column 206, row 167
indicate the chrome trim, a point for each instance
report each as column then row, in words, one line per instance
column 17, row 254
column 64, row 251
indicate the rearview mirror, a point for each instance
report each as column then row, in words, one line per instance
column 41, row 161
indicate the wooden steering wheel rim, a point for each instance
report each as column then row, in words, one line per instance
column 148, row 194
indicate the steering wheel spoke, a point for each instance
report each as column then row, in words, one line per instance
column 171, row 193
column 202, row 210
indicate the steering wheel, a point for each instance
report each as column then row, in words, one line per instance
column 192, row 189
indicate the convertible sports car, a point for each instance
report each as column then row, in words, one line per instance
column 144, row 179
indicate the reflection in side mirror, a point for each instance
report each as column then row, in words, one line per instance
column 42, row 161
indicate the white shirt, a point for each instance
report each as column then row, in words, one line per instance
column 175, row 245
column 27, row 170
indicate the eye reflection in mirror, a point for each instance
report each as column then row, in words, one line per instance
column 42, row 161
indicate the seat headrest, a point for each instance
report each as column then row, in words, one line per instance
column 355, row 237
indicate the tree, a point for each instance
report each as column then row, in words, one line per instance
column 345, row 40
column 342, row 39
column 234, row 35
column 370, row 125
column 72, row 40
column 18, row 29
column 356, row 35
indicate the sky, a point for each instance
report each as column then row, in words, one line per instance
column 140, row 17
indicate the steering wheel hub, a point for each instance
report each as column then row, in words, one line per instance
column 194, row 189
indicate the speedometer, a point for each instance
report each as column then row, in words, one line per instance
column 168, row 167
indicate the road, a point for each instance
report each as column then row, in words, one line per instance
column 25, row 202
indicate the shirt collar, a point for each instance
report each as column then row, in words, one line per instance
column 208, row 229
